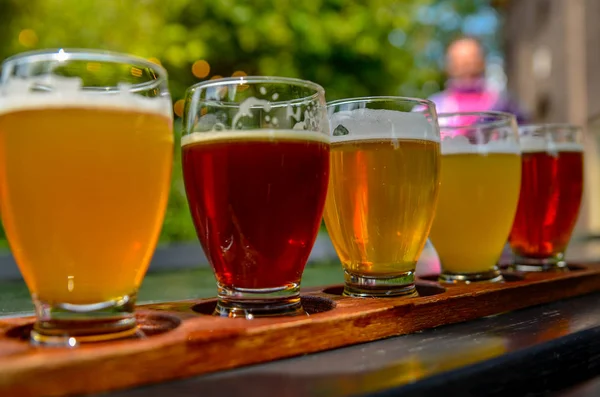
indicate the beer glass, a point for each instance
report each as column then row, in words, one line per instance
column 256, row 164
column 481, row 178
column 86, row 148
column 383, row 188
column 551, row 189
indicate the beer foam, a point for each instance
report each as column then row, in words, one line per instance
column 460, row 144
column 532, row 144
column 381, row 124
column 16, row 95
column 254, row 135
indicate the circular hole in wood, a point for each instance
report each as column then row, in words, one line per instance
column 508, row 269
column 512, row 276
column 311, row 304
column 207, row 308
column 430, row 277
column 20, row 332
column 337, row 290
column 422, row 289
column 155, row 324
column 429, row 289
column 150, row 324
column 315, row 304
column 509, row 276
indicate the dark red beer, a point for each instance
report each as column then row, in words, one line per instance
column 257, row 202
column 551, row 189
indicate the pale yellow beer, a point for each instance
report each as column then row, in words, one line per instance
column 83, row 191
column 380, row 203
column 478, row 199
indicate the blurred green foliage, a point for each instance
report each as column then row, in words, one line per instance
column 351, row 47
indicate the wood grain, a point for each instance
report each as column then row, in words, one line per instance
column 182, row 342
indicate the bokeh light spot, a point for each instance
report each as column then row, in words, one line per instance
column 178, row 107
column 200, row 69
column 28, row 38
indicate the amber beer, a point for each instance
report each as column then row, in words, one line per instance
column 84, row 189
column 382, row 195
column 477, row 204
column 256, row 198
column 551, row 190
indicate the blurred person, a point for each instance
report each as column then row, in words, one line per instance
column 466, row 88
column 467, row 91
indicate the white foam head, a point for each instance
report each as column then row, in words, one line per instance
column 460, row 144
column 382, row 124
column 16, row 94
column 533, row 144
column 254, row 135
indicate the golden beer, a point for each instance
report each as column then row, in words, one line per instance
column 380, row 203
column 84, row 188
column 477, row 204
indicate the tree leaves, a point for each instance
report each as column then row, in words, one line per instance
column 351, row 47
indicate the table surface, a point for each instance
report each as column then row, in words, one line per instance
column 551, row 349
column 549, row 344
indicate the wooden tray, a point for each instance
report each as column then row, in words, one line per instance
column 183, row 339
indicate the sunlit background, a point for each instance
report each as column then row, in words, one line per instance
column 351, row 47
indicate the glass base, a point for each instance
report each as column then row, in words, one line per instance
column 68, row 325
column 261, row 302
column 525, row 264
column 490, row 276
column 361, row 286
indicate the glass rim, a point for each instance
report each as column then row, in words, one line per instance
column 91, row 55
column 549, row 128
column 503, row 119
column 241, row 80
column 385, row 98
column 259, row 79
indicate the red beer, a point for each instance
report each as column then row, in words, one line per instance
column 256, row 199
column 551, row 189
